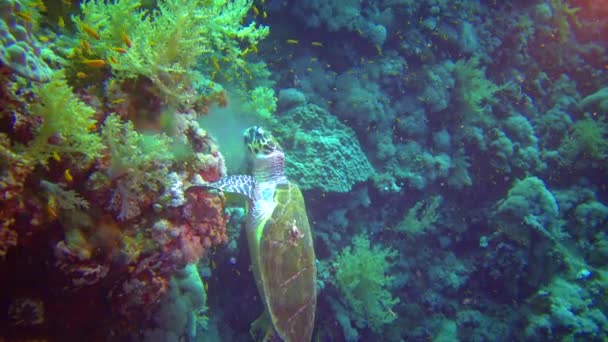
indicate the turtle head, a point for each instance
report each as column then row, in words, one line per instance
column 260, row 142
column 268, row 158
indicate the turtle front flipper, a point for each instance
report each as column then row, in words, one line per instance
column 238, row 184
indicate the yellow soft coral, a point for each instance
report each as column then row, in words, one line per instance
column 164, row 44
column 67, row 123
column 362, row 281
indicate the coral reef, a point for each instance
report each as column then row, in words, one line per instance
column 452, row 155
column 98, row 152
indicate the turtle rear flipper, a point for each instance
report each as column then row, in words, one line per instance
column 261, row 329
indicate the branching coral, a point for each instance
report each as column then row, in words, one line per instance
column 422, row 216
column 472, row 88
column 362, row 281
column 67, row 124
column 164, row 44
column 587, row 138
column 139, row 165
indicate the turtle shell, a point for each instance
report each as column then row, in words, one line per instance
column 287, row 271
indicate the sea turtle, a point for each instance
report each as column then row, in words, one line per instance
column 280, row 240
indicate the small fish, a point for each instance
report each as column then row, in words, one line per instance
column 75, row 53
column 264, row 15
column 90, row 31
column 44, row 39
column 81, row 75
column 94, row 63
column 314, row 59
column 213, row 264
column 117, row 101
column 119, row 50
column 86, row 46
column 25, row 16
column 292, row 41
column 56, row 156
column 113, row 60
column 317, row 44
column 256, row 11
column 68, row 176
column 126, row 39
column 216, row 64
column 51, row 207
column 61, row 22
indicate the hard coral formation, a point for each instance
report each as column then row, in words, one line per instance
column 21, row 51
column 321, row 152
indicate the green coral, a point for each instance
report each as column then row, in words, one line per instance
column 597, row 100
column 67, row 124
column 422, row 216
column 66, row 199
column 165, row 43
column 361, row 278
column 139, row 164
column 473, row 89
column 587, row 138
column 264, row 101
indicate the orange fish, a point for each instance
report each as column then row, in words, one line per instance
column 86, row 46
column 94, row 63
column 90, row 31
column 119, row 49
column 25, row 16
column 126, row 39
column 51, row 207
column 81, row 75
